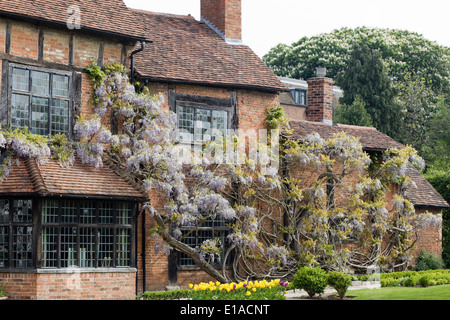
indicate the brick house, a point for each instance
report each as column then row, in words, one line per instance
column 315, row 114
column 77, row 232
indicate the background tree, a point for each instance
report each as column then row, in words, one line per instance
column 437, row 152
column 403, row 52
column 418, row 104
column 354, row 114
column 367, row 78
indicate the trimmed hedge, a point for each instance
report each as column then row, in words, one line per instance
column 412, row 278
column 165, row 295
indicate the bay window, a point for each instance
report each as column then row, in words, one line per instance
column 66, row 233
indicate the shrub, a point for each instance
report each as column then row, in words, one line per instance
column 428, row 261
column 312, row 280
column 389, row 282
column 425, row 280
column 409, row 282
column 3, row 293
column 340, row 282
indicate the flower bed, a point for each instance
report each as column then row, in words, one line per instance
column 251, row 290
column 246, row 290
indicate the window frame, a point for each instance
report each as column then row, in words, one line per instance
column 11, row 225
column 196, row 107
column 209, row 227
column 204, row 102
column 294, row 91
column 51, row 96
column 38, row 225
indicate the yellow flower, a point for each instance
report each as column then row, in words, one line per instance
column 254, row 289
column 217, row 283
column 191, row 286
column 248, row 293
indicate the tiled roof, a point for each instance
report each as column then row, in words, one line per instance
column 423, row 194
column 78, row 180
column 110, row 16
column 373, row 140
column 370, row 138
column 187, row 50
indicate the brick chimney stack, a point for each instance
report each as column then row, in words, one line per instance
column 320, row 98
column 224, row 17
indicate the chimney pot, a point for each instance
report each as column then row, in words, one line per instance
column 321, row 71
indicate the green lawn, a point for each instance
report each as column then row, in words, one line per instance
column 441, row 292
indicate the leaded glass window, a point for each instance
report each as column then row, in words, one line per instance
column 72, row 233
column 210, row 228
column 16, row 233
column 87, row 234
column 201, row 124
column 40, row 100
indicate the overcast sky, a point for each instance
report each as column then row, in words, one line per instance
column 266, row 23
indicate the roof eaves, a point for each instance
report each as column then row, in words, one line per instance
column 54, row 23
column 216, row 84
column 416, row 204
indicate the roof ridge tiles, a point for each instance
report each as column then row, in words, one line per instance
column 355, row 126
column 163, row 14
column 35, row 176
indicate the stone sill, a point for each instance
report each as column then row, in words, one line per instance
column 86, row 270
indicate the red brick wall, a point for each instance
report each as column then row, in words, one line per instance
column 56, row 47
column 429, row 238
column 70, row 286
column 19, row 285
column 295, row 112
column 24, row 40
column 2, row 35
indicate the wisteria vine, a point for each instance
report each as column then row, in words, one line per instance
column 327, row 196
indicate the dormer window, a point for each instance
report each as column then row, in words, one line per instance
column 299, row 96
column 40, row 100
